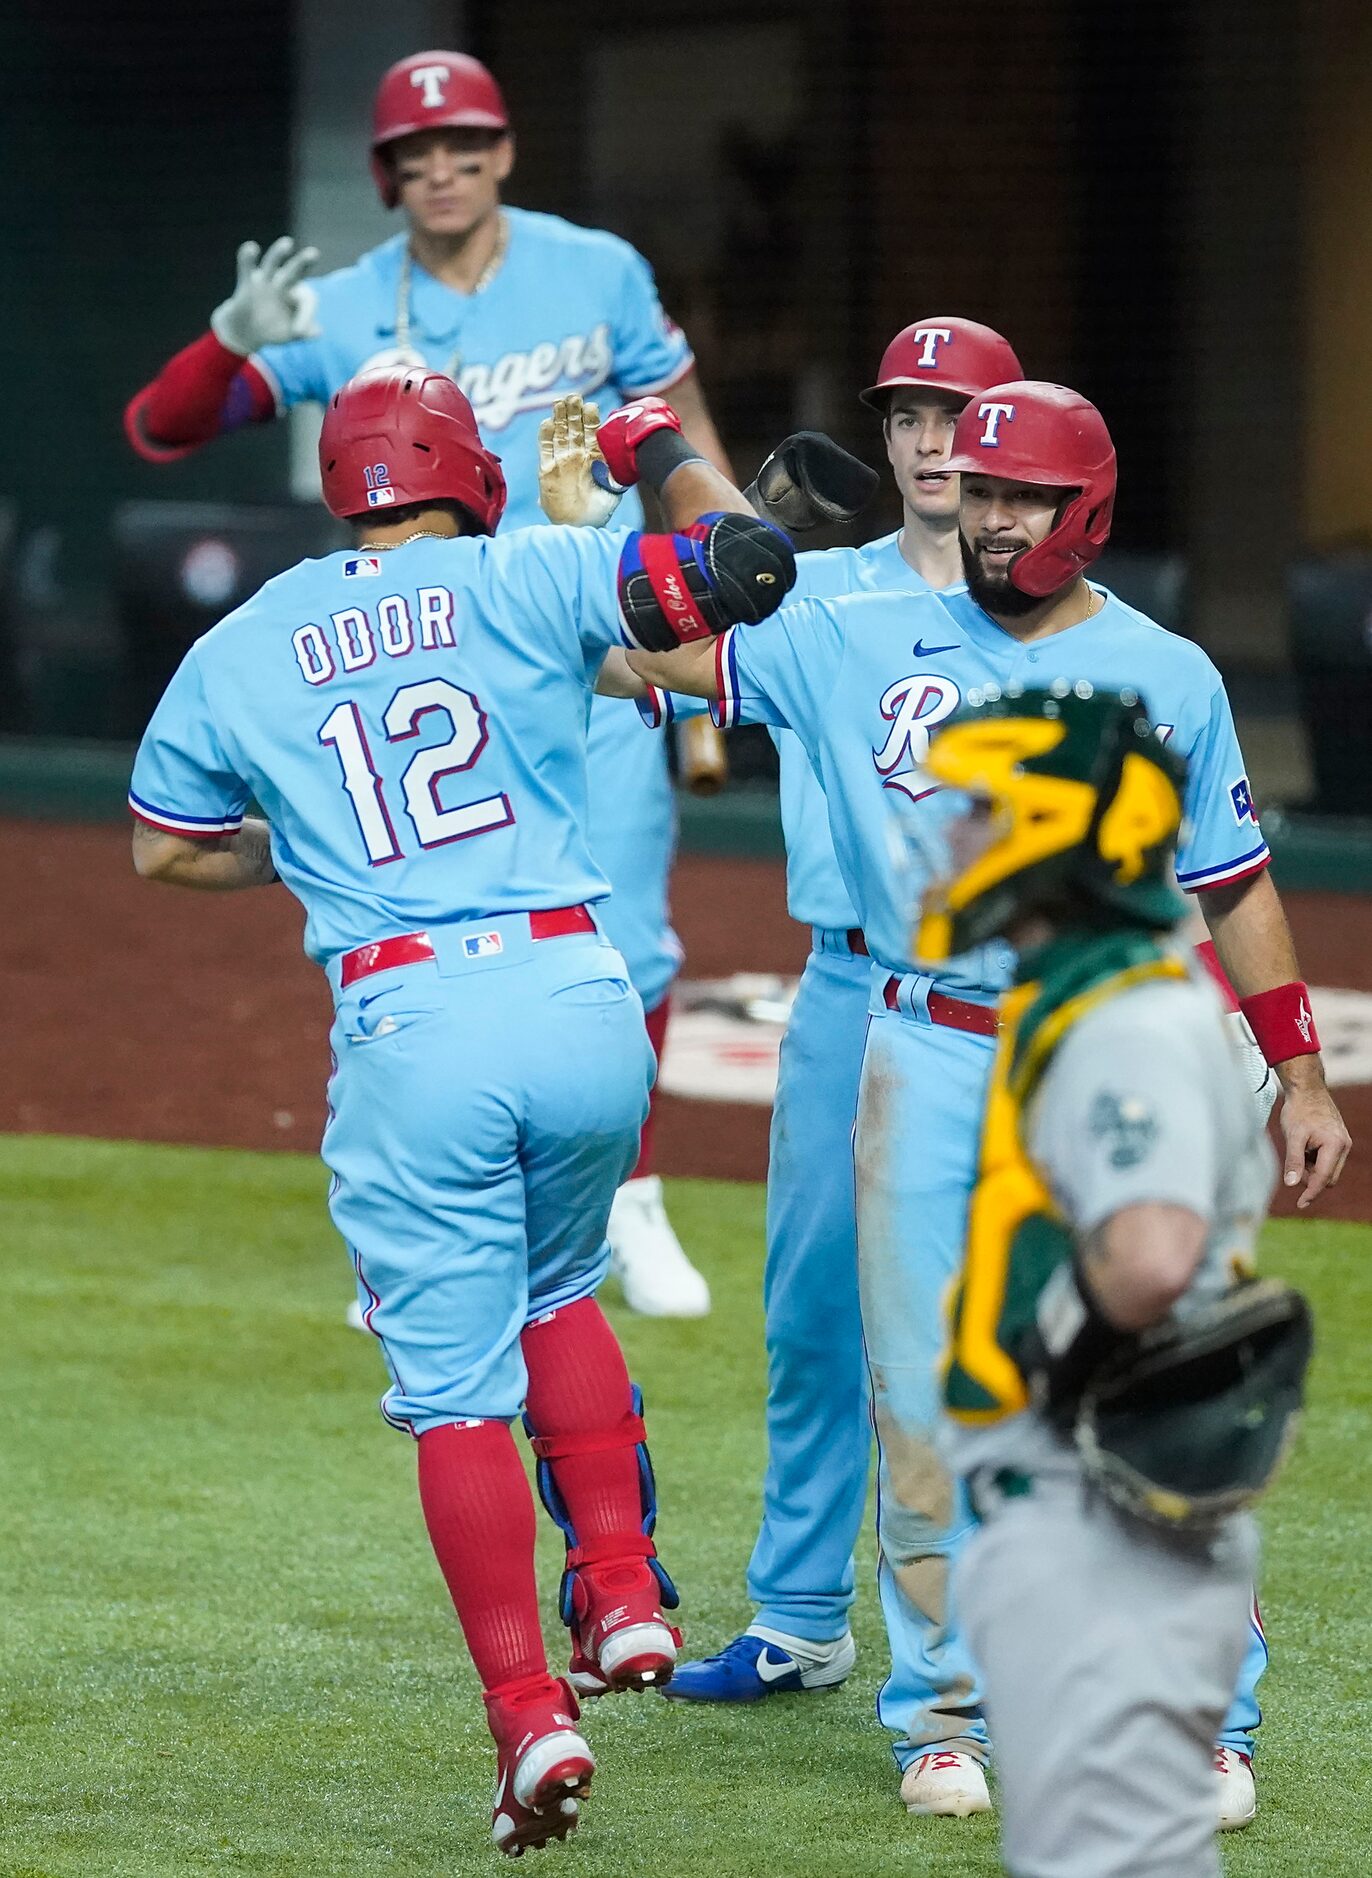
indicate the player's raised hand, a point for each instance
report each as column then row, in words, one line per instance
column 568, row 491
column 271, row 302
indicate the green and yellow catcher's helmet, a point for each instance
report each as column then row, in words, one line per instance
column 1062, row 801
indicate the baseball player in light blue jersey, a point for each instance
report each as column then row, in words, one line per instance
column 862, row 680
column 520, row 308
column 410, row 715
column 818, row 1419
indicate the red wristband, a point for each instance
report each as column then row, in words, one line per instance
column 1282, row 1022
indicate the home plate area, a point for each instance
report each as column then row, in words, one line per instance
column 725, row 1034
column 724, row 1037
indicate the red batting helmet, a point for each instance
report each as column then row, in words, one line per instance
column 1028, row 432
column 949, row 354
column 407, row 435
column 431, row 91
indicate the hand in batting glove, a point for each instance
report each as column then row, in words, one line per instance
column 270, row 304
column 625, row 430
column 567, row 456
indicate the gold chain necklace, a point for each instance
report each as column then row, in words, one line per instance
column 405, row 287
column 420, row 534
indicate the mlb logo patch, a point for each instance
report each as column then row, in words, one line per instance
column 1242, row 798
column 380, row 498
column 364, row 564
column 483, row 945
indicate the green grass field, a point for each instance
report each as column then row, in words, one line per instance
column 227, row 1648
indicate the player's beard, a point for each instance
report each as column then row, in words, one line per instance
column 995, row 593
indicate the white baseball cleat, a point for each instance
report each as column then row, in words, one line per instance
column 948, row 1785
column 355, row 1319
column 1235, row 1790
column 657, row 1278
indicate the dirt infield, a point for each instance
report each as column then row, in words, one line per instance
column 133, row 1011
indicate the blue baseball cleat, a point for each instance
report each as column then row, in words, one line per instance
column 754, row 1666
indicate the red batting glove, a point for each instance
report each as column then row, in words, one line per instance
column 625, row 429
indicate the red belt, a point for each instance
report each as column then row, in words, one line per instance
column 857, row 942
column 414, row 948
column 952, row 1013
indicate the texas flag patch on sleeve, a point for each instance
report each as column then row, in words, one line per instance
column 1241, row 795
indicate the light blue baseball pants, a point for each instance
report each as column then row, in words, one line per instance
column 818, row 1419
column 483, row 1109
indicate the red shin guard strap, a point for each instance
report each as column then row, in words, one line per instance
column 580, row 1405
column 626, row 1434
column 1282, row 1022
column 611, row 1548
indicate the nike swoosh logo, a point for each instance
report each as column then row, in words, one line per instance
column 370, row 998
column 770, row 1671
column 921, row 651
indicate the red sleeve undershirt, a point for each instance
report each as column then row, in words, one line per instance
column 204, row 390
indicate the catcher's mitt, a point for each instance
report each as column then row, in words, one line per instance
column 809, row 479
column 1190, row 1422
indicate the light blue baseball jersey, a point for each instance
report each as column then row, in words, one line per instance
column 412, row 723
column 815, row 893
column 862, row 680
column 569, row 310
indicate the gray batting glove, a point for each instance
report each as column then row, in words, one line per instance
column 270, row 304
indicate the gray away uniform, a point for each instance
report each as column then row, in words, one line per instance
column 1109, row 1648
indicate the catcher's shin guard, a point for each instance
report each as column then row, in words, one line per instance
column 614, row 1589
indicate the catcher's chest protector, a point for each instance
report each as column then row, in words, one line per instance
column 1016, row 1237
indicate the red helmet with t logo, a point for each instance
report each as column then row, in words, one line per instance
column 1029, row 432
column 945, row 354
column 431, row 91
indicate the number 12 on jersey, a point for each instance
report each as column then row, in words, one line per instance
column 434, row 825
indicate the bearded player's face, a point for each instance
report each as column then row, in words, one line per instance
column 449, row 180
column 998, row 520
column 919, row 435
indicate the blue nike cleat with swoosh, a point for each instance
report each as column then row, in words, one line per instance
column 753, row 1667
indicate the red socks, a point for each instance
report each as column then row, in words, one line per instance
column 578, row 1385
column 480, row 1516
column 476, row 1499
column 656, row 1024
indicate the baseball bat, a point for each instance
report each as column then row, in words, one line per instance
column 702, row 759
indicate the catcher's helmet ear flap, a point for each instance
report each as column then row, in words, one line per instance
column 407, row 435
column 1028, row 432
column 431, row 91
column 1086, row 804
column 942, row 353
